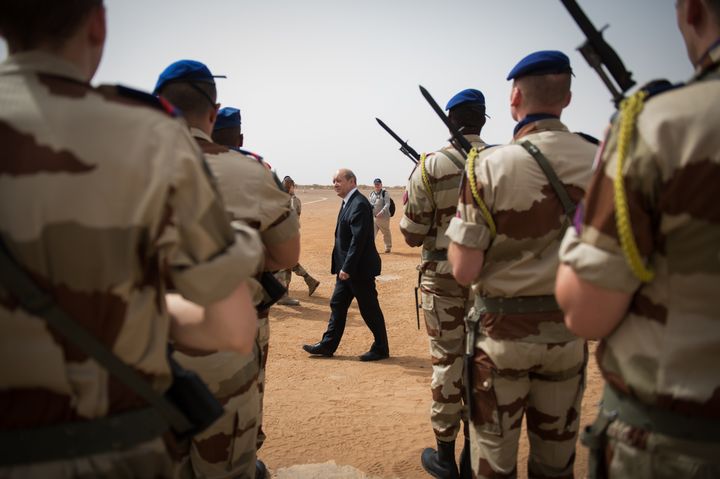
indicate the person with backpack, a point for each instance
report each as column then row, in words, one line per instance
column 383, row 209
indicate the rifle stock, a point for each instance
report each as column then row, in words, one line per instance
column 600, row 55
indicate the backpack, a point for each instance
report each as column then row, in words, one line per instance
column 392, row 204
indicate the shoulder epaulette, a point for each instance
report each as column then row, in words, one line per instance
column 142, row 98
column 656, row 87
column 250, row 154
column 588, row 138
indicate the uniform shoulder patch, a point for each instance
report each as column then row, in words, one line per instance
column 128, row 95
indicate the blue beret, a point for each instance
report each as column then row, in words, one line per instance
column 469, row 95
column 544, row 62
column 185, row 70
column 227, row 117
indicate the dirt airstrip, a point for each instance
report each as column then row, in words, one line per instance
column 341, row 418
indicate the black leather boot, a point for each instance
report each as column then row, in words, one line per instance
column 465, row 463
column 441, row 463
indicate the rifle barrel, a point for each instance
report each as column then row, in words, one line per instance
column 404, row 147
column 464, row 144
column 605, row 54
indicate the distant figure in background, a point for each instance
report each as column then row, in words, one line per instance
column 286, row 275
column 356, row 262
column 380, row 201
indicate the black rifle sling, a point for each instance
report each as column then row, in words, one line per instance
column 36, row 301
column 451, row 156
column 567, row 202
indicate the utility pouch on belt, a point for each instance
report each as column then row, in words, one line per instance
column 273, row 290
column 191, row 395
column 68, row 440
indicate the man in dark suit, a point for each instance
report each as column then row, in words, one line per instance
column 356, row 262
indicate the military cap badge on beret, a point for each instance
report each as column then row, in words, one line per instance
column 227, row 117
column 544, row 62
column 186, row 71
column 469, row 95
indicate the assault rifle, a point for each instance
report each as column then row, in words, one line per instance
column 599, row 54
column 457, row 140
column 404, row 147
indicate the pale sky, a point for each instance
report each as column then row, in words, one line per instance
column 311, row 76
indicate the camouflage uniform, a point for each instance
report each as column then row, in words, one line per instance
column 444, row 301
column 285, row 276
column 665, row 352
column 228, row 448
column 99, row 212
column 525, row 363
column 381, row 202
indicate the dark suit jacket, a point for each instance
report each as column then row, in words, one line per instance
column 354, row 250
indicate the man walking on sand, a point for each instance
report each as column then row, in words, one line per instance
column 356, row 263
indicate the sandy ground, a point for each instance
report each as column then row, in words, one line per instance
column 339, row 417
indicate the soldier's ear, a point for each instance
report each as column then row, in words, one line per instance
column 97, row 27
column 515, row 96
column 692, row 11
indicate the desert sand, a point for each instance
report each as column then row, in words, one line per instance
column 341, row 418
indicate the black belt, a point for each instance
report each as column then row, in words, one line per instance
column 434, row 255
column 517, row 304
column 77, row 439
column 654, row 419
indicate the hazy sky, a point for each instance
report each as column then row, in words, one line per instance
column 311, row 76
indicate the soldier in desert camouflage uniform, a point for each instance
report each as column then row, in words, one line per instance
column 99, row 212
column 505, row 239
column 228, row 448
column 286, row 275
column 651, row 291
column 431, row 202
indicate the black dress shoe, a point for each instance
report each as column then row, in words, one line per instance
column 318, row 349
column 374, row 355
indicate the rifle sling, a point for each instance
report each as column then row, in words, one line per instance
column 542, row 161
column 434, row 255
column 39, row 303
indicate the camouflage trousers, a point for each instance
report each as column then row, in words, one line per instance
column 635, row 453
column 285, row 275
column 383, row 224
column 445, row 324
column 263, row 345
column 149, row 460
column 228, row 448
column 545, row 383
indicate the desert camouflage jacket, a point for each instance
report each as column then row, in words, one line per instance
column 522, row 259
column 666, row 349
